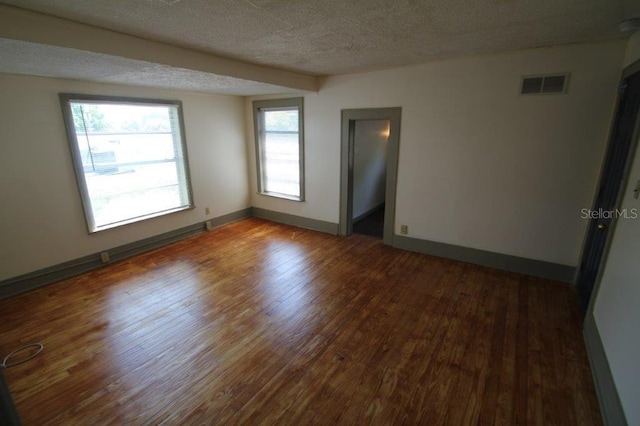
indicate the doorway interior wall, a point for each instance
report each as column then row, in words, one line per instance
column 348, row 126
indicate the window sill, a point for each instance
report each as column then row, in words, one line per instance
column 96, row 229
column 283, row 196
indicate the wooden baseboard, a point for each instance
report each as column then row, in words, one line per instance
column 74, row 267
column 536, row 268
column 299, row 221
column 87, row 263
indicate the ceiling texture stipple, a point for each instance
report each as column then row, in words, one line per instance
column 336, row 36
column 19, row 57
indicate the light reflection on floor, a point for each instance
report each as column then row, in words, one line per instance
column 164, row 310
column 159, row 307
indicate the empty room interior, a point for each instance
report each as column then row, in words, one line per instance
column 319, row 212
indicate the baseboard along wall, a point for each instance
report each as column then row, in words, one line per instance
column 299, row 221
column 522, row 265
column 610, row 404
column 42, row 277
column 87, row 263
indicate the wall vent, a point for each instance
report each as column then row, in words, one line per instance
column 556, row 83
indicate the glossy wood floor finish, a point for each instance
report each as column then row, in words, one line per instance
column 262, row 323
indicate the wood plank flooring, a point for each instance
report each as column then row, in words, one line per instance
column 262, row 323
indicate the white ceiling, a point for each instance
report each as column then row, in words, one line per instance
column 324, row 37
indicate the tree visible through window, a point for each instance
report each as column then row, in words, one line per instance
column 130, row 158
column 279, row 147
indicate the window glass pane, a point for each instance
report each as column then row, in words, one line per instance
column 279, row 147
column 281, row 120
column 281, row 154
column 132, row 161
column 133, row 192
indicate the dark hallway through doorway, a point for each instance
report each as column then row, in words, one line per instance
column 372, row 224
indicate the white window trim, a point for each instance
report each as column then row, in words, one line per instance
column 65, row 101
column 289, row 103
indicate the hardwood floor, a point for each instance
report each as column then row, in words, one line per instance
column 262, row 323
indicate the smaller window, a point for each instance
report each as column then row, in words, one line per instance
column 130, row 158
column 279, row 147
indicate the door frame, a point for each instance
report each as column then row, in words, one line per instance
column 635, row 139
column 347, row 142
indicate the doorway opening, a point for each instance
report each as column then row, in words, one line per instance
column 369, row 165
column 370, row 141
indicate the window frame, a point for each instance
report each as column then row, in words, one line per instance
column 65, row 102
column 258, row 123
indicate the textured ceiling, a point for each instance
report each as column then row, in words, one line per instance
column 307, row 37
column 20, row 57
column 341, row 36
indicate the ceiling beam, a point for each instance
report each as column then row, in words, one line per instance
column 25, row 25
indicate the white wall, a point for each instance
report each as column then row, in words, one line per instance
column 480, row 166
column 617, row 302
column 617, row 307
column 369, row 164
column 41, row 218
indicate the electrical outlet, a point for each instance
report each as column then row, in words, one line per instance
column 207, row 211
column 404, row 229
column 104, row 256
column 208, row 225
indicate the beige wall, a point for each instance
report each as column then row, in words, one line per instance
column 480, row 166
column 41, row 219
column 617, row 302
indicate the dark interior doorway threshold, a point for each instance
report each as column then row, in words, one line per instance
column 371, row 224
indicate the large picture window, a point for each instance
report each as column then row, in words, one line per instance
column 130, row 158
column 279, row 147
